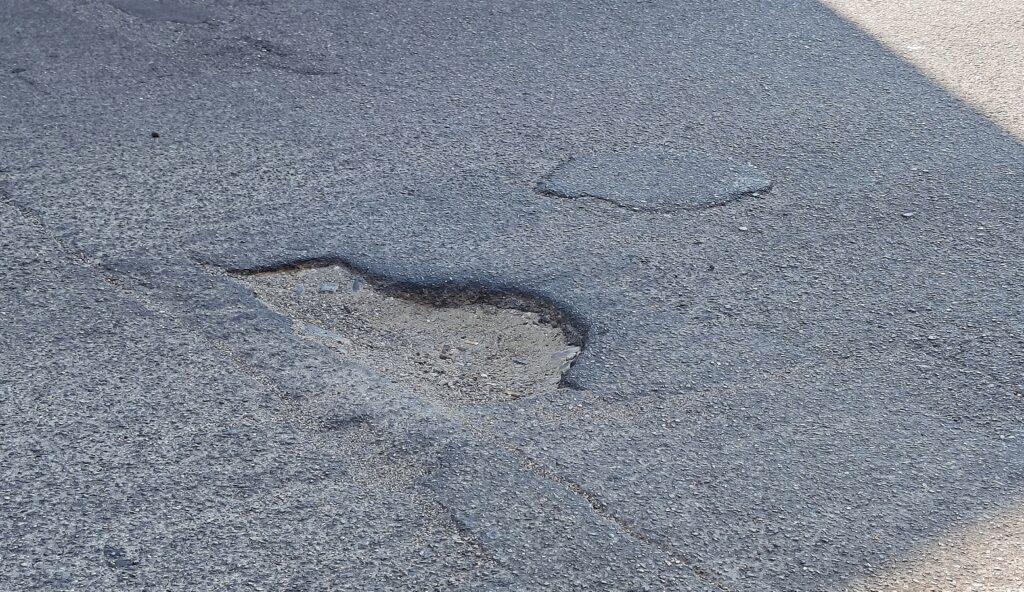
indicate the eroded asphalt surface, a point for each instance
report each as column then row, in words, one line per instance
column 782, row 390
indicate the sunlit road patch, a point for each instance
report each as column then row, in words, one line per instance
column 985, row 555
column 975, row 48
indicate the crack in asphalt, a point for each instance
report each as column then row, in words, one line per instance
column 955, row 358
column 34, row 218
column 602, row 509
column 273, row 50
column 549, row 192
column 123, row 283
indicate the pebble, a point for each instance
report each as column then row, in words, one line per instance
column 328, row 288
column 907, row 214
column 327, row 334
column 568, row 353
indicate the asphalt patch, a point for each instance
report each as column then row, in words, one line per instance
column 652, row 180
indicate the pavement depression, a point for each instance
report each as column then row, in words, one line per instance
column 460, row 346
column 756, row 404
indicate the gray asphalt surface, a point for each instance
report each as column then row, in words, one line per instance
column 788, row 391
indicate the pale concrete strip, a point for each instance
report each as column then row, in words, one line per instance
column 975, row 48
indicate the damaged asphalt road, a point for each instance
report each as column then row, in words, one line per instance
column 801, row 356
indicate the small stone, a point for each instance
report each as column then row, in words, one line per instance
column 154, row 134
column 328, row 288
column 743, row 229
column 567, row 354
column 326, row 334
column 907, row 214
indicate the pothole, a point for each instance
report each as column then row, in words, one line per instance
column 655, row 180
column 454, row 346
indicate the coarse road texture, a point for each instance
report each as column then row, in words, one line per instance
column 808, row 388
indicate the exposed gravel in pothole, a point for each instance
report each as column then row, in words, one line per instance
column 462, row 353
